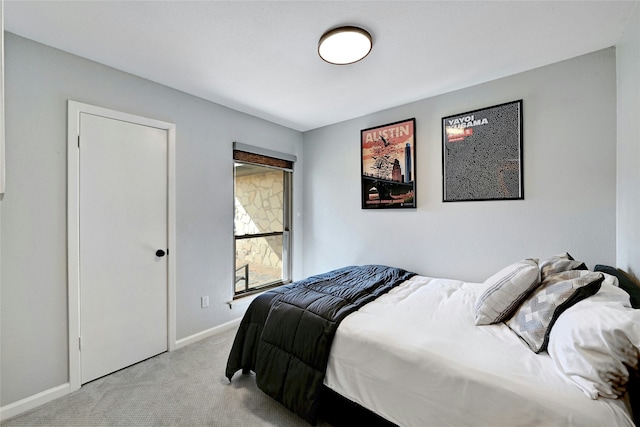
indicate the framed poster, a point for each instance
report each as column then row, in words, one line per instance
column 482, row 154
column 388, row 165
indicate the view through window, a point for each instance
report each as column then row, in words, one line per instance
column 261, row 224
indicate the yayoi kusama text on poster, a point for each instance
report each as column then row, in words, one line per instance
column 482, row 154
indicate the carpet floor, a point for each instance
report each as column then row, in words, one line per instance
column 186, row 387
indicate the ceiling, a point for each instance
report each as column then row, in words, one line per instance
column 261, row 57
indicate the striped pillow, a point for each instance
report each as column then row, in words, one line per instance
column 504, row 291
column 559, row 263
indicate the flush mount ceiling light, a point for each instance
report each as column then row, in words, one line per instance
column 344, row 45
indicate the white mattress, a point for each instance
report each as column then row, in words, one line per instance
column 415, row 357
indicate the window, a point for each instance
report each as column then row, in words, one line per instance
column 262, row 191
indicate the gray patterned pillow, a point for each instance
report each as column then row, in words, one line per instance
column 534, row 319
column 505, row 290
column 558, row 263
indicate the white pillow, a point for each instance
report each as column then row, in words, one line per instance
column 595, row 341
column 503, row 292
column 611, row 292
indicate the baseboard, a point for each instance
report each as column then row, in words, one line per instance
column 17, row 408
column 207, row 333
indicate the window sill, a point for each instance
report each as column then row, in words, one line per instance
column 243, row 302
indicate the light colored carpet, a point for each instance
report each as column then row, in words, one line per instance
column 186, row 387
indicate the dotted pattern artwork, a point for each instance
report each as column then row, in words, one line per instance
column 482, row 154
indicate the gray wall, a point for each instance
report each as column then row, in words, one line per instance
column 628, row 210
column 569, row 182
column 39, row 81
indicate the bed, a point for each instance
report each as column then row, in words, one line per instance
column 425, row 351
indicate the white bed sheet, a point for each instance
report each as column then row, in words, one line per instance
column 415, row 357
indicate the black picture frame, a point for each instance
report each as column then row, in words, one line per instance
column 482, row 154
column 388, row 166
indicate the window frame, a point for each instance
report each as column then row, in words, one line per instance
column 277, row 161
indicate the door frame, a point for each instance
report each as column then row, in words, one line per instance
column 74, row 109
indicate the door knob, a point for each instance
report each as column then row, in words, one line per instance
column 160, row 253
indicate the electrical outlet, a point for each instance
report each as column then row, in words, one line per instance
column 204, row 301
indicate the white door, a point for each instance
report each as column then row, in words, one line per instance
column 122, row 227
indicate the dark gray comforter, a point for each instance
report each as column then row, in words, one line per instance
column 286, row 334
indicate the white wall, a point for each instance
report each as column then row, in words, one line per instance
column 628, row 210
column 39, row 81
column 569, row 182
